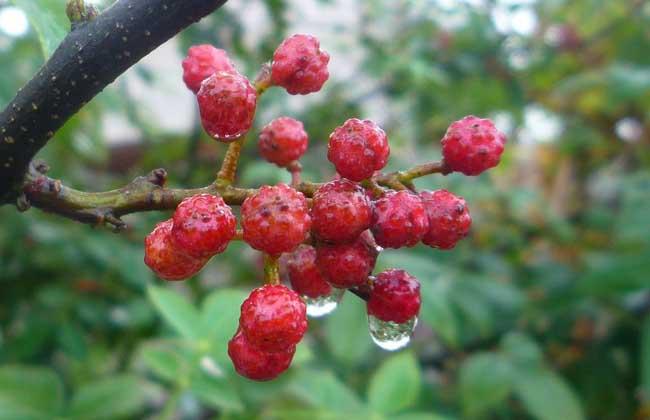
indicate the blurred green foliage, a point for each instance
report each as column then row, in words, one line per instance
column 542, row 313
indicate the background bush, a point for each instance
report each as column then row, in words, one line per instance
column 542, row 313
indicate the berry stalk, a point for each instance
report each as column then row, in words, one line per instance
column 226, row 175
column 295, row 169
column 271, row 270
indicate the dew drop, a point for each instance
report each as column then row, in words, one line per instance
column 323, row 305
column 390, row 335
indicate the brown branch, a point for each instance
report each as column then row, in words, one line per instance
column 90, row 57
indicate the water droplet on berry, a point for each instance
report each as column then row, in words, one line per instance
column 390, row 335
column 323, row 305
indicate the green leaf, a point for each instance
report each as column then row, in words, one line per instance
column 546, row 395
column 282, row 413
column 645, row 359
column 220, row 318
column 521, row 350
column 177, row 311
column 396, row 384
column 216, row 392
column 437, row 311
column 165, row 361
column 111, row 398
column 48, row 19
column 322, row 389
column 347, row 331
column 485, row 382
column 29, row 393
column 420, row 416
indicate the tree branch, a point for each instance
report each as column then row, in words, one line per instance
column 91, row 56
column 147, row 193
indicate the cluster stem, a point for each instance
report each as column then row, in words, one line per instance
column 271, row 269
column 226, row 175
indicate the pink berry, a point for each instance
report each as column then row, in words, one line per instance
column 273, row 318
column 305, row 277
column 394, row 296
column 299, row 65
column 399, row 220
column 253, row 363
column 346, row 265
column 340, row 211
column 203, row 225
column 358, row 149
column 275, row 219
column 283, row 140
column 449, row 218
column 166, row 260
column 203, row 61
column 472, row 145
column 227, row 104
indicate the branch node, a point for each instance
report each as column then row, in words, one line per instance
column 22, row 203
column 40, row 166
column 157, row 177
column 79, row 12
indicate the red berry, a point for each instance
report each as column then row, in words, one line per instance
column 203, row 61
column 283, row 140
column 273, row 318
column 299, row 65
column 449, row 218
column 472, row 145
column 164, row 259
column 340, row 211
column 275, row 219
column 395, row 296
column 255, row 364
column 358, row 149
column 346, row 265
column 203, row 225
column 399, row 220
column 227, row 104
column 304, row 275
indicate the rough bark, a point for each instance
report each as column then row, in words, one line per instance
column 91, row 56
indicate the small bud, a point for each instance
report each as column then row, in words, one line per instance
column 78, row 11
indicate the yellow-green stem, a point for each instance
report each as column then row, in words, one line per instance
column 271, row 269
column 226, row 175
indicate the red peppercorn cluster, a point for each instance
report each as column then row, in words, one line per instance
column 330, row 233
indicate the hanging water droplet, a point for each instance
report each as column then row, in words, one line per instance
column 390, row 335
column 323, row 305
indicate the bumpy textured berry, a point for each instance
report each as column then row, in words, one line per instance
column 275, row 219
column 283, row 140
column 227, row 104
column 472, row 145
column 346, row 265
column 340, row 211
column 399, row 220
column 395, row 296
column 305, row 277
column 273, row 318
column 165, row 259
column 449, row 218
column 203, row 225
column 358, row 149
column 299, row 65
column 255, row 364
column 203, row 61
